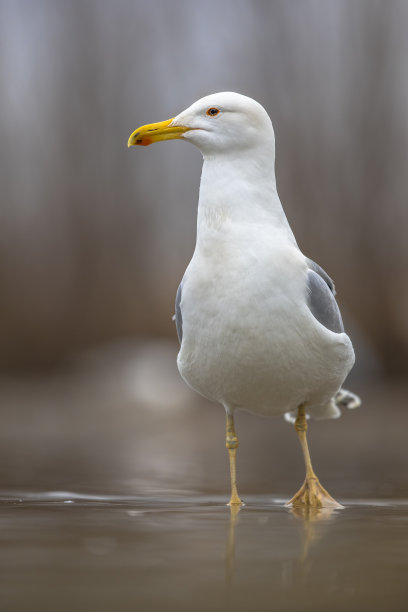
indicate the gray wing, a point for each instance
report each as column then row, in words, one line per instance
column 321, row 300
column 179, row 318
column 322, row 273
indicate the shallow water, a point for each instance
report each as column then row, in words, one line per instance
column 66, row 551
column 110, row 427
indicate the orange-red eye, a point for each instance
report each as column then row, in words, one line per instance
column 213, row 111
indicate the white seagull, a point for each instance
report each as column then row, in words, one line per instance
column 258, row 322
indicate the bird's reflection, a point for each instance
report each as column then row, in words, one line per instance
column 230, row 554
column 313, row 523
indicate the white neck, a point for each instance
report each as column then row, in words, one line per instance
column 240, row 189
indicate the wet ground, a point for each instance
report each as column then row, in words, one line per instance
column 66, row 551
column 142, row 523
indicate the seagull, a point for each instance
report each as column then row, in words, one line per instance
column 258, row 323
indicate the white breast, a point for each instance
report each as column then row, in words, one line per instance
column 249, row 339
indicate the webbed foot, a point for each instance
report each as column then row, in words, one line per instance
column 312, row 494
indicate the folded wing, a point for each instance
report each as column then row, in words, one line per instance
column 321, row 300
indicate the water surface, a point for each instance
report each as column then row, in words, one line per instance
column 66, row 551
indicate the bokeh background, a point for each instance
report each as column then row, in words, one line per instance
column 94, row 238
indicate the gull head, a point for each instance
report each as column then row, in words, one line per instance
column 220, row 123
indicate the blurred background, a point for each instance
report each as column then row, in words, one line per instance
column 94, row 238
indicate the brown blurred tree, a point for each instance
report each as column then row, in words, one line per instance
column 94, row 239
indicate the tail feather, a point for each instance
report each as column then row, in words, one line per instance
column 347, row 399
column 332, row 410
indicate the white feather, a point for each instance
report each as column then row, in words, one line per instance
column 249, row 338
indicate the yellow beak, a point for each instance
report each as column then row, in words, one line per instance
column 153, row 132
